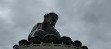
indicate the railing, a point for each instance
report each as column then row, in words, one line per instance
column 49, row 46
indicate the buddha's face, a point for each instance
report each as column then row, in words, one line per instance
column 50, row 18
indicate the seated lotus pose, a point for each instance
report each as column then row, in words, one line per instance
column 46, row 27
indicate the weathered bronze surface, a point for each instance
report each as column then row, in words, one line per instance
column 46, row 27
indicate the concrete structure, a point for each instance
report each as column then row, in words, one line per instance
column 45, row 36
column 47, row 46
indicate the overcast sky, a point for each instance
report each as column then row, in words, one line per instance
column 84, row 20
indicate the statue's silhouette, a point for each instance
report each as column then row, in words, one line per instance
column 44, row 35
column 46, row 27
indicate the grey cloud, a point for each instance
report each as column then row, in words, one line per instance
column 85, row 20
column 26, row 11
column 98, row 18
column 93, row 16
